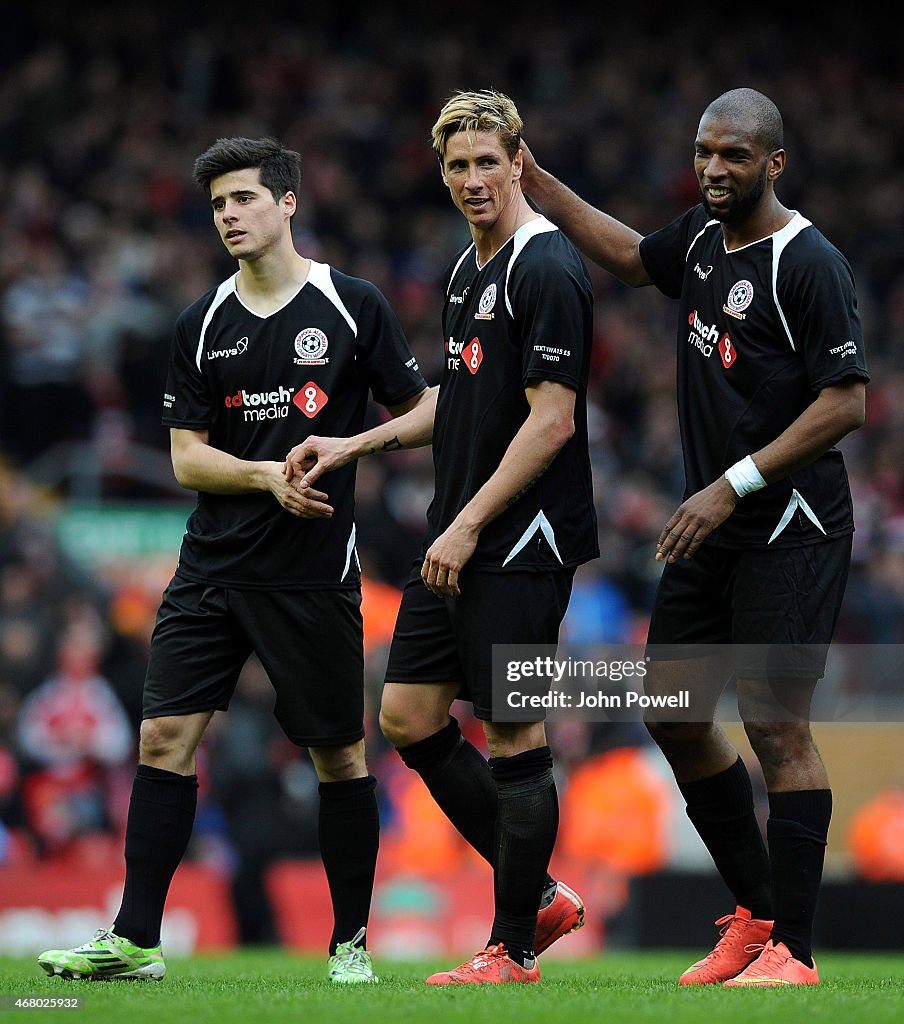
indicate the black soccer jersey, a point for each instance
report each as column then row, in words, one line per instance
column 761, row 330
column 526, row 316
column 261, row 384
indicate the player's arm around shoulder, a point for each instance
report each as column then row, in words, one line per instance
column 199, row 466
column 609, row 243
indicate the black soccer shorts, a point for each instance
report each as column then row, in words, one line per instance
column 776, row 608
column 450, row 640
column 309, row 642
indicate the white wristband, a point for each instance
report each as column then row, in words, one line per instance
column 744, row 477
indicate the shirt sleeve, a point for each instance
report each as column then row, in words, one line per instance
column 664, row 252
column 382, row 352
column 551, row 303
column 818, row 297
column 186, row 398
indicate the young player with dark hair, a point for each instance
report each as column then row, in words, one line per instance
column 267, row 565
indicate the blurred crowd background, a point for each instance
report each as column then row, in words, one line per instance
column 104, row 239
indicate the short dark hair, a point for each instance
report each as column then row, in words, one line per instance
column 758, row 110
column 280, row 168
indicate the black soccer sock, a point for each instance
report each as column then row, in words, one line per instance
column 459, row 779
column 797, row 832
column 526, row 825
column 722, row 811
column 349, row 827
column 158, row 828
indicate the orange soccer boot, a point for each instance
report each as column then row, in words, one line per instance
column 491, row 966
column 563, row 914
column 730, row 955
column 774, row 968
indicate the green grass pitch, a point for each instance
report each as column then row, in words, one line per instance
column 271, row 985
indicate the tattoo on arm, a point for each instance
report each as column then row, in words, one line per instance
column 525, row 488
column 394, row 444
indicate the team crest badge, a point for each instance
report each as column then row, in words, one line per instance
column 311, row 345
column 739, row 298
column 487, row 301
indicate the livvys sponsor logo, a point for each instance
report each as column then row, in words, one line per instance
column 238, row 349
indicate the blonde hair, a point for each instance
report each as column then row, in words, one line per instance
column 482, row 111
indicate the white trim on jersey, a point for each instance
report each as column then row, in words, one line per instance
column 538, row 226
column 226, row 289
column 319, row 277
column 273, row 312
column 702, row 231
column 779, row 240
column 349, row 551
column 796, row 502
column 458, row 263
column 542, row 524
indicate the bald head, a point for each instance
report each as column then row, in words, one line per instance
column 752, row 111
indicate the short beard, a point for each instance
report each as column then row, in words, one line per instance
column 744, row 205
